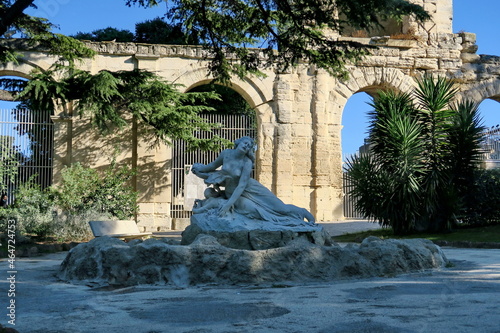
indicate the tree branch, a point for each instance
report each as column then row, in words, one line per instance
column 12, row 13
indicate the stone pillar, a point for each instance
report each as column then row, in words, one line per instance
column 282, row 159
column 152, row 182
column 441, row 12
column 153, row 165
column 266, row 124
column 320, row 149
column 326, row 179
column 63, row 147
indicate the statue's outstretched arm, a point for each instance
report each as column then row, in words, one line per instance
column 202, row 170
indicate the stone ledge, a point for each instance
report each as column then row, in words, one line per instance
column 256, row 239
column 239, row 232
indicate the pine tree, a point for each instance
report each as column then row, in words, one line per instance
column 285, row 31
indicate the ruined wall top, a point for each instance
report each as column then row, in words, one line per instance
column 441, row 12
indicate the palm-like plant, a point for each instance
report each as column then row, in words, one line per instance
column 433, row 98
column 465, row 138
column 386, row 181
column 409, row 180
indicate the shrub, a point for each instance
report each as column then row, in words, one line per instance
column 83, row 190
column 423, row 153
column 483, row 202
column 64, row 212
column 33, row 210
column 79, row 184
column 75, row 227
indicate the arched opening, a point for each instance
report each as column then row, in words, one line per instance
column 236, row 119
column 26, row 142
column 354, row 139
column 489, row 110
column 355, row 123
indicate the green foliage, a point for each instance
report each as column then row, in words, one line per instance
column 110, row 98
column 107, row 34
column 387, row 182
column 440, row 199
column 64, row 212
column 37, row 33
column 78, row 186
column 33, row 210
column 9, row 162
column 83, row 190
column 14, row 21
column 42, row 92
column 36, row 214
column 483, row 200
column 68, row 49
column 463, row 235
column 287, row 31
column 464, row 135
column 422, row 157
column 75, row 227
column 157, row 31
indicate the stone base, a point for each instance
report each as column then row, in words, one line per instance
column 238, row 232
column 110, row 261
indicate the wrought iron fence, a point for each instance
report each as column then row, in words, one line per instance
column 26, row 149
column 349, row 201
column 233, row 126
column 491, row 143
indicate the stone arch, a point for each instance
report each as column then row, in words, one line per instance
column 255, row 91
column 480, row 91
column 361, row 79
column 258, row 92
column 370, row 80
column 23, row 68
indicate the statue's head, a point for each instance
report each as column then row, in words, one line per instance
column 250, row 142
column 244, row 139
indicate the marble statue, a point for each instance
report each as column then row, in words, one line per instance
column 233, row 190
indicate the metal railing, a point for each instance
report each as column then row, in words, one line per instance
column 349, row 201
column 26, row 149
column 491, row 143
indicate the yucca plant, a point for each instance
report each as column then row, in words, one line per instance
column 387, row 181
column 433, row 97
column 418, row 142
column 465, row 138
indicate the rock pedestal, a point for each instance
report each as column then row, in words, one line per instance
column 239, row 232
column 110, row 261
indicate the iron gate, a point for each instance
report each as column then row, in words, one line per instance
column 349, row 202
column 26, row 149
column 233, row 126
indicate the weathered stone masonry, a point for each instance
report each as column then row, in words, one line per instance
column 299, row 113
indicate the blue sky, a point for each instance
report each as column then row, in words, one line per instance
column 477, row 16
